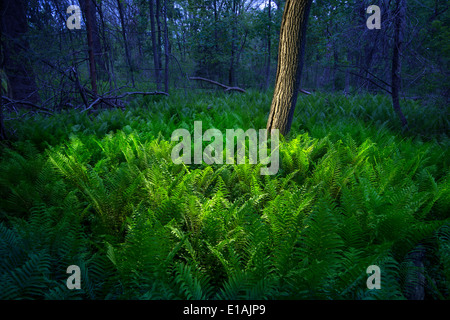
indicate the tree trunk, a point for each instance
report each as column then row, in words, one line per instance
column 347, row 74
column 231, row 70
column 396, row 62
column 290, row 63
column 166, row 50
column 92, row 69
column 22, row 83
column 109, row 65
column 216, row 46
column 269, row 45
column 90, row 17
column 125, row 42
column 159, row 46
column 154, row 45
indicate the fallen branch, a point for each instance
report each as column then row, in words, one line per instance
column 142, row 93
column 109, row 99
column 305, row 92
column 225, row 87
column 27, row 103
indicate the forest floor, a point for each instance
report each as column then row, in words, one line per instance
column 353, row 190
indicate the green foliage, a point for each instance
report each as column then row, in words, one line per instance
column 102, row 193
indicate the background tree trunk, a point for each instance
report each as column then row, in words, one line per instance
column 97, row 50
column 231, row 70
column 290, row 63
column 125, row 42
column 158, row 26
column 156, row 56
column 107, row 56
column 166, row 50
column 399, row 15
column 15, row 47
column 92, row 68
column 269, row 45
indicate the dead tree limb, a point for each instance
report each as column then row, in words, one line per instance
column 109, row 99
column 225, row 87
column 304, row 91
column 27, row 103
column 143, row 93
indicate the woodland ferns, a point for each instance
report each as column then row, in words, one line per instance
column 106, row 196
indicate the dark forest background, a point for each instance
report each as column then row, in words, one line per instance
column 160, row 44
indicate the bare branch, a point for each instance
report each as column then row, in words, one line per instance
column 225, row 87
column 27, row 103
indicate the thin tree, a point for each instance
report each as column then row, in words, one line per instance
column 156, row 56
column 109, row 64
column 92, row 68
column 269, row 43
column 158, row 26
column 399, row 19
column 166, row 50
column 125, row 42
column 290, row 64
column 231, row 70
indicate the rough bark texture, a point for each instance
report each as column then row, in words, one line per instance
column 18, row 68
column 396, row 62
column 290, row 63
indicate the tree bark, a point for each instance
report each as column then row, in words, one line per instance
column 154, row 45
column 109, row 65
column 90, row 17
column 269, row 45
column 158, row 26
column 166, row 50
column 290, row 63
column 18, row 68
column 92, row 68
column 231, row 71
column 396, row 62
column 124, row 37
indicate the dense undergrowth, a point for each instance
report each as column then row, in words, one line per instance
column 100, row 191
